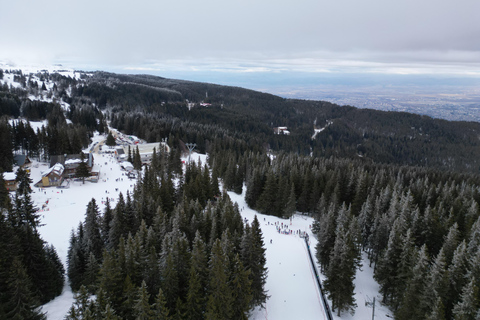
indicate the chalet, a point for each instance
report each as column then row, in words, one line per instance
column 22, row 161
column 52, row 177
column 281, row 130
column 70, row 163
column 10, row 183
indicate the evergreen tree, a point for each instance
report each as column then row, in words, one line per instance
column 326, row 236
column 130, row 157
column 105, row 222
column 82, row 169
column 110, row 141
column 267, row 203
column 468, row 308
column 409, row 308
column 241, row 290
column 142, row 309
column 344, row 261
column 137, row 160
column 93, row 239
column 457, row 276
column 110, row 279
column 22, row 303
column 220, row 297
column 253, row 259
column 437, row 286
column 290, row 207
column 437, row 311
column 196, row 302
column 160, row 311
column 6, row 153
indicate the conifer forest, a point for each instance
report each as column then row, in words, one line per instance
column 393, row 190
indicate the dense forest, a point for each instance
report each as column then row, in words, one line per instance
column 168, row 251
column 31, row 273
column 395, row 190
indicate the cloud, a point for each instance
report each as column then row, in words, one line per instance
column 247, row 36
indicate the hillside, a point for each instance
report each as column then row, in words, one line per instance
column 209, row 110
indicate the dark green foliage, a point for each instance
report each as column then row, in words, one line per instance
column 137, row 160
column 110, row 140
column 168, row 256
column 253, row 259
column 6, row 155
column 22, row 303
column 30, row 271
column 220, row 295
column 82, row 169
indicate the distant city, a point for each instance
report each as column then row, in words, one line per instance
column 444, row 102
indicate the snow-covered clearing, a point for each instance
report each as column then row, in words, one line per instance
column 290, row 283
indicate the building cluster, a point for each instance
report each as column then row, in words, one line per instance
column 65, row 167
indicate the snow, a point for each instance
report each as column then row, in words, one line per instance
column 290, row 283
column 9, row 176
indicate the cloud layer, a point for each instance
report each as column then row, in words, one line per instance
column 247, row 36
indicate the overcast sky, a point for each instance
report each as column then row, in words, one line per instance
column 261, row 36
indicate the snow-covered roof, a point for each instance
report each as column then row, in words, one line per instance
column 73, row 161
column 57, row 169
column 9, row 176
column 126, row 164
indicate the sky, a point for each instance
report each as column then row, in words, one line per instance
column 261, row 38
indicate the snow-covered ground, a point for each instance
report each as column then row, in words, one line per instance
column 290, row 283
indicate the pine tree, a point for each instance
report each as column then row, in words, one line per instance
column 409, row 308
column 290, row 207
column 76, row 259
column 110, row 279
column 220, row 298
column 106, row 223
column 118, row 226
column 451, row 242
column 387, row 270
column 344, row 261
column 137, row 160
column 82, row 169
column 457, row 275
column 110, row 141
column 130, row 157
column 93, row 242
column 267, row 203
column 241, row 289
column 437, row 311
column 254, row 188
column 91, row 273
column 160, row 311
column 437, row 286
column 196, row 302
column 253, row 259
column 142, row 309
column 468, row 308
column 22, row 303
column 326, row 236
